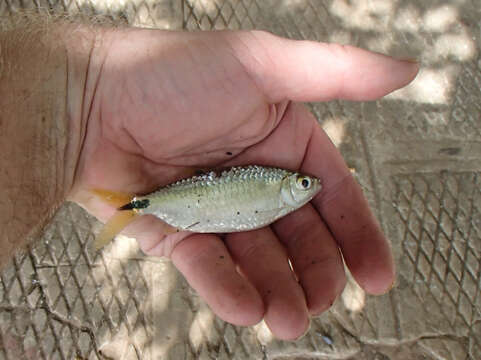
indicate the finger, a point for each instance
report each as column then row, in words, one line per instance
column 155, row 237
column 315, row 257
column 264, row 262
column 312, row 71
column 209, row 269
column 346, row 211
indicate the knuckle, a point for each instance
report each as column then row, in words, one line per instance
column 255, row 249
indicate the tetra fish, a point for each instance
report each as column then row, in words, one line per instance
column 237, row 199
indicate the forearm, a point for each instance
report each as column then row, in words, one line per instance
column 44, row 101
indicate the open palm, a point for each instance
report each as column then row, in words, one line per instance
column 167, row 102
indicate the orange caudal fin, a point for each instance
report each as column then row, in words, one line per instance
column 114, row 198
column 114, row 226
column 119, row 220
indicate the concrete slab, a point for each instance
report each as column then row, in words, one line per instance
column 416, row 153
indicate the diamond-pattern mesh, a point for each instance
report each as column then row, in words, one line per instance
column 220, row 14
column 61, row 299
column 465, row 113
column 460, row 120
column 441, row 249
column 296, row 19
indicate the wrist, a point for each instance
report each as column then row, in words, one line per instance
column 47, row 69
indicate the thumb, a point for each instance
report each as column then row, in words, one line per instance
column 311, row 71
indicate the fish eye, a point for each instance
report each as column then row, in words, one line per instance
column 303, row 182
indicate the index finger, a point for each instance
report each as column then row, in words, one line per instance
column 344, row 208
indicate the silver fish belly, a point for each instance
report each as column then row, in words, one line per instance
column 238, row 199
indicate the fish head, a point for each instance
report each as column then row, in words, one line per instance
column 298, row 189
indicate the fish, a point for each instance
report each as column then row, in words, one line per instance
column 239, row 198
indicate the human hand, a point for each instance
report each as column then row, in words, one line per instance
column 166, row 102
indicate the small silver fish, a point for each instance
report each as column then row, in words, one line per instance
column 237, row 199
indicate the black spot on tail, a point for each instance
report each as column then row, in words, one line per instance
column 136, row 204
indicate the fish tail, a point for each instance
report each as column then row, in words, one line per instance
column 114, row 226
column 125, row 215
column 115, row 198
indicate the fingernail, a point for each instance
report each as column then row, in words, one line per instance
column 319, row 313
column 389, row 288
column 305, row 332
column 393, row 284
column 409, row 60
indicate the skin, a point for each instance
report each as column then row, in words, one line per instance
column 159, row 104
